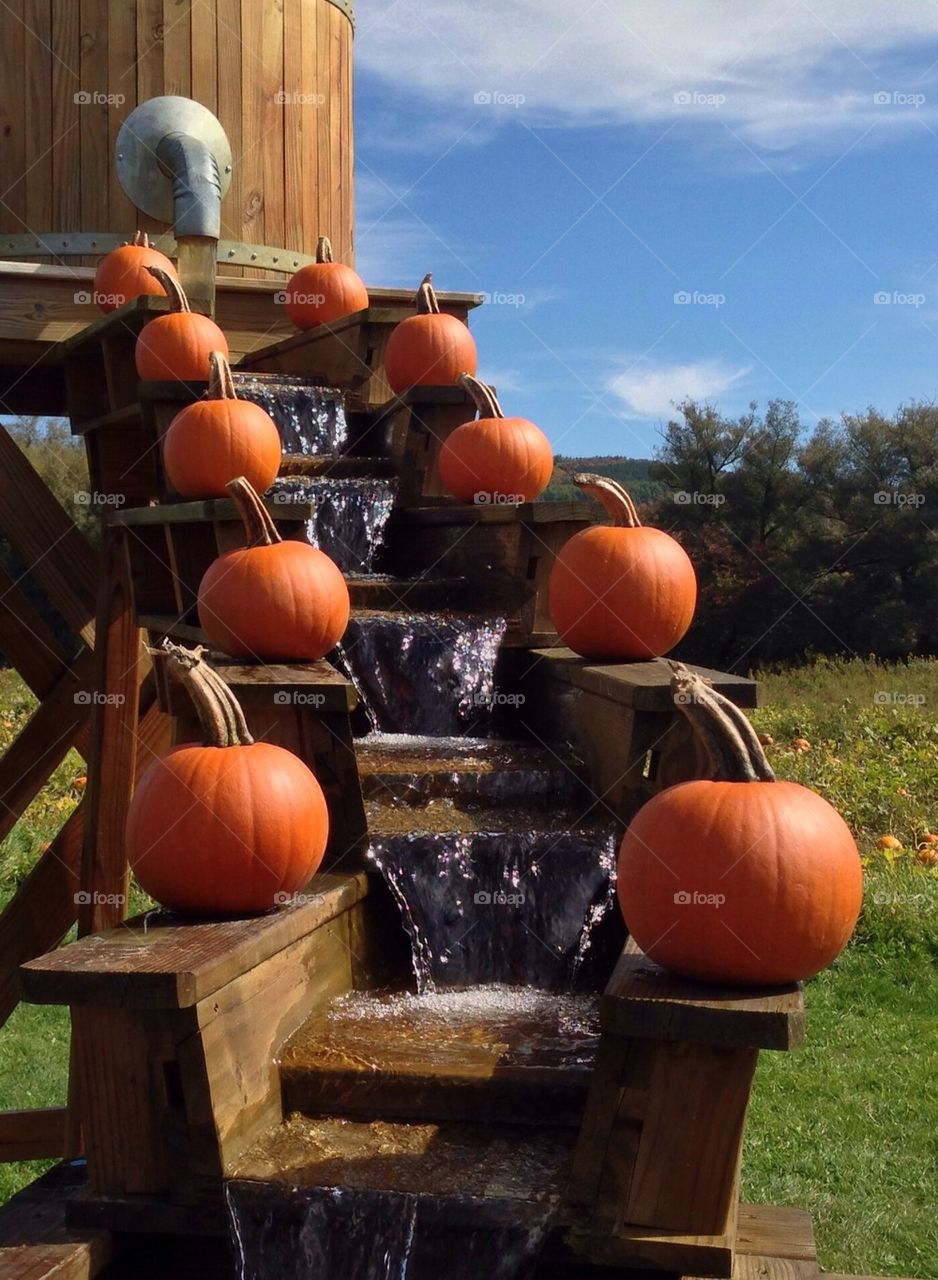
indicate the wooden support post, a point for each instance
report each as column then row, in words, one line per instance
column 196, row 262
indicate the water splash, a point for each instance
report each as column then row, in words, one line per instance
column 519, row 908
column 429, row 673
column 311, row 420
column 349, row 516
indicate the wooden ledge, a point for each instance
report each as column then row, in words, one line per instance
column 209, row 511
column 446, row 511
column 644, row 686
column 644, row 1001
column 159, row 962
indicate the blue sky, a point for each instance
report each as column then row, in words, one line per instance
column 774, row 165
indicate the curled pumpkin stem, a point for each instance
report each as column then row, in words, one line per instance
column 259, row 527
column 324, row 250
column 221, row 382
column 612, row 497
column 427, row 302
column 735, row 752
column 485, row 398
column 220, row 715
column 172, row 288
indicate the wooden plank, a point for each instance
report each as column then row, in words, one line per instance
column 47, row 542
column 177, row 47
column 646, row 686
column 154, row 964
column 776, row 1231
column 105, row 872
column 36, row 1243
column 269, row 74
column 253, row 112
column 16, row 151
column 66, row 82
column 32, row 1135
column 299, row 133
column 325, row 175
column 231, row 52
column 753, row 1267
column 27, row 641
column 122, row 82
column 37, row 15
column 645, row 1001
column 207, row 511
column 204, row 54
column 95, row 160
column 150, row 70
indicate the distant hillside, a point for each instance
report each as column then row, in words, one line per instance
column 630, row 472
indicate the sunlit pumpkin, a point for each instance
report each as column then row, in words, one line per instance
column 229, row 825
column 430, row 349
column 495, row 455
column 122, row 274
column 220, row 438
column 622, row 591
column 738, row 879
column 324, row 290
column 277, row 600
column 176, row 346
column 889, row 842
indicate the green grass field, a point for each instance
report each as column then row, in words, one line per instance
column 847, row 1126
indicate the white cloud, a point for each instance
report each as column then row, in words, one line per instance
column 650, row 389
column 777, row 71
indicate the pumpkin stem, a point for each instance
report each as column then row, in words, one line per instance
column 259, row 527
column 141, row 240
column 172, row 288
column 427, row 302
column 220, row 715
column 324, row 250
column 612, row 497
column 485, row 398
column 735, row 752
column 221, row 383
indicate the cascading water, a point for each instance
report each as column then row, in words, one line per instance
column 429, row 673
column 311, row 420
column 349, row 516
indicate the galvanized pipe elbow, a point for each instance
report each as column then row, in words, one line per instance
column 192, row 167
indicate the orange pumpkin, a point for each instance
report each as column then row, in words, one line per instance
column 122, row 274
column 430, row 349
column 283, row 601
column 495, row 455
column 228, row 826
column 738, row 879
column 324, row 290
column 621, row 592
column 176, row 346
column 220, row 438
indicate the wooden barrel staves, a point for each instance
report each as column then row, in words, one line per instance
column 277, row 74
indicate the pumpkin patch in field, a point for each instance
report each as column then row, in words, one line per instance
column 277, row 600
column 738, row 879
column 229, row 825
column 621, row 591
column 495, row 454
column 324, row 290
column 220, row 438
column 123, row 274
column 177, row 346
column 430, row 349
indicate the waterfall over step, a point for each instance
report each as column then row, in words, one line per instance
column 349, row 516
column 311, row 420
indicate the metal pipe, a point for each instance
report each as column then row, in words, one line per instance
column 191, row 166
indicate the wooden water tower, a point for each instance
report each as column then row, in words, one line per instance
column 276, row 73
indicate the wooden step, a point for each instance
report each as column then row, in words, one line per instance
column 443, row 816
column 487, row 1055
column 381, row 593
column 337, row 466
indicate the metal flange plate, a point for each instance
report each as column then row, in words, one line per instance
column 138, row 170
